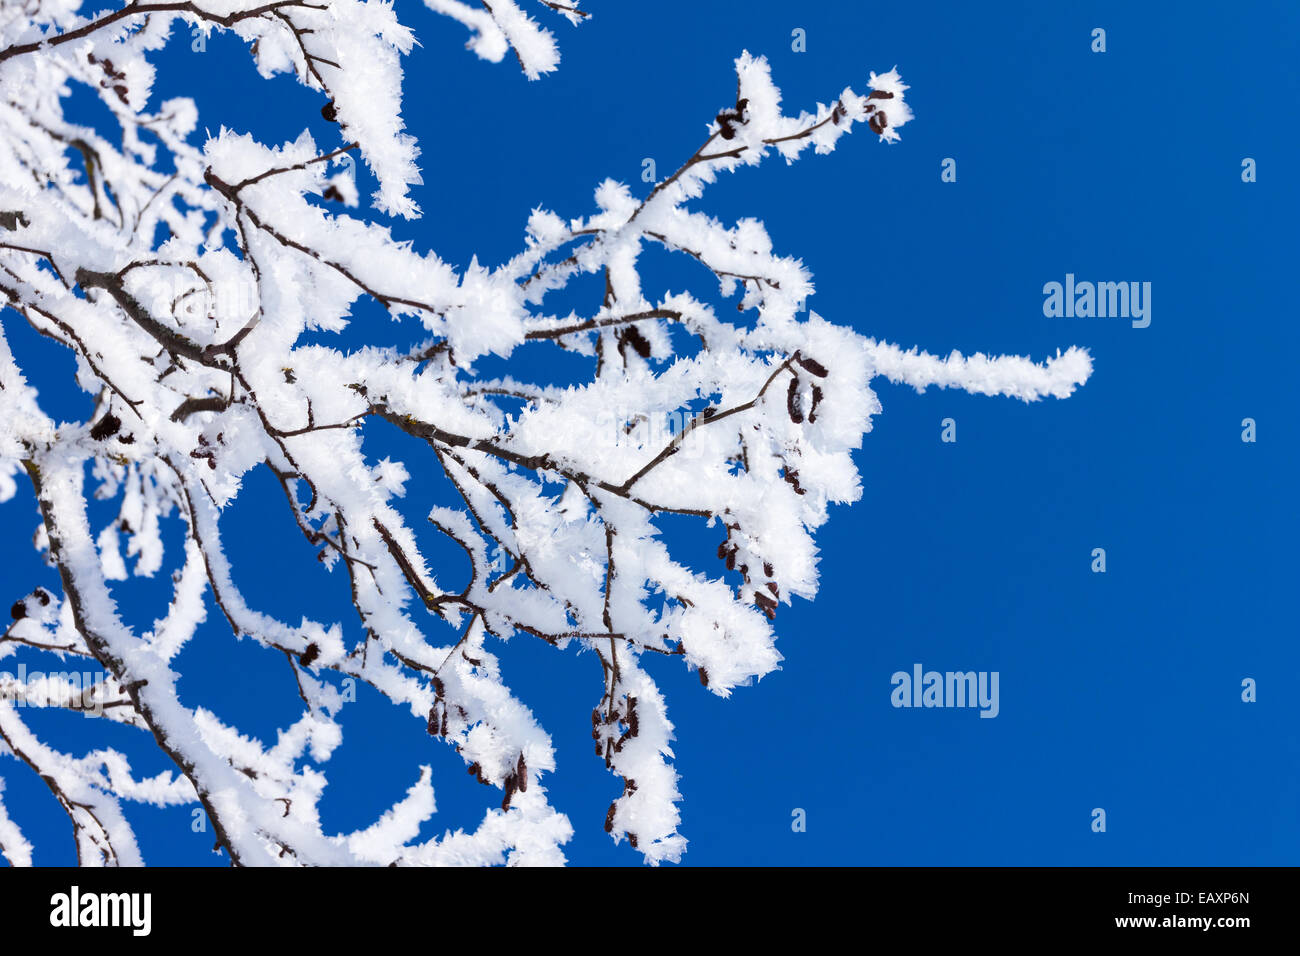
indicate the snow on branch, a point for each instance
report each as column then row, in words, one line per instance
column 1012, row 375
column 13, row 844
column 501, row 25
column 739, row 410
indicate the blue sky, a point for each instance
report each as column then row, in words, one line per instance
column 1119, row 690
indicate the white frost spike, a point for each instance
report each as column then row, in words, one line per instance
column 1011, row 375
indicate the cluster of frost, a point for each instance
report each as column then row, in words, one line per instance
column 195, row 387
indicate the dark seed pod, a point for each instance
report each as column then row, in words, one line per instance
column 18, row 611
column 632, row 727
column 812, row 365
column 767, row 568
column 726, row 118
column 632, row 335
column 631, row 838
column 878, row 122
column 792, row 402
column 722, row 551
column 438, row 687
column 43, row 596
column 521, row 772
column 609, row 818
column 329, row 113
column 434, row 723
column 704, row 677
column 332, row 192
column 310, row 654
column 106, row 427
column 880, row 95
column 510, row 792
column 816, row 400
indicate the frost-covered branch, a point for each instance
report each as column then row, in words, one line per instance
column 196, row 351
column 1011, row 375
